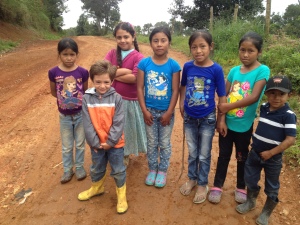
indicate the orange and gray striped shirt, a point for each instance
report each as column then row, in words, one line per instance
column 103, row 118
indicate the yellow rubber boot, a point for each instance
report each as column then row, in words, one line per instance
column 122, row 205
column 96, row 189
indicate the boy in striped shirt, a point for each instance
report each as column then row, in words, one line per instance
column 275, row 132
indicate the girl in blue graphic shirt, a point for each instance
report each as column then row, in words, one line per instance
column 201, row 79
column 158, row 88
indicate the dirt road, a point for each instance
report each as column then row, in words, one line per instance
column 30, row 158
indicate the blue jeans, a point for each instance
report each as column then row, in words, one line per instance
column 71, row 130
column 199, row 134
column 272, row 167
column 115, row 158
column 159, row 139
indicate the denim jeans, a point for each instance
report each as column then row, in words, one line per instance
column 199, row 134
column 71, row 130
column 115, row 158
column 272, row 167
column 159, row 139
column 241, row 140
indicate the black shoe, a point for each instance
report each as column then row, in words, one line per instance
column 67, row 176
column 80, row 173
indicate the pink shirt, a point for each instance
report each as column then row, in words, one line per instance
column 126, row 90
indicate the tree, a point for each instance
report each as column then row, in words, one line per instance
column 54, row 10
column 198, row 15
column 147, row 28
column 292, row 20
column 104, row 12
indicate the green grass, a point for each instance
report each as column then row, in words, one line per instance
column 6, row 46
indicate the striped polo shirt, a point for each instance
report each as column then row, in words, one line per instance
column 273, row 127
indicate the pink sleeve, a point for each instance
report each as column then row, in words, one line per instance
column 135, row 68
column 112, row 57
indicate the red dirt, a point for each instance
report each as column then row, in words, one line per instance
column 30, row 156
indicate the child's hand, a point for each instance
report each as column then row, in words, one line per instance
column 222, row 128
column 148, row 118
column 105, row 146
column 181, row 108
column 266, row 155
column 165, row 119
column 223, row 107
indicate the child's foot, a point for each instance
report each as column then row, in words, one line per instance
column 215, row 195
column 201, row 194
column 187, row 187
column 150, row 179
column 80, row 173
column 240, row 195
column 161, row 179
column 67, row 176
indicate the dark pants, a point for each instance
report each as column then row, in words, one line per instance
column 272, row 168
column 241, row 142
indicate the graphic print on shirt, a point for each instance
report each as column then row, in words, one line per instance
column 67, row 92
column 238, row 91
column 197, row 91
column 157, row 85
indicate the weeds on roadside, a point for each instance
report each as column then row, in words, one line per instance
column 6, row 46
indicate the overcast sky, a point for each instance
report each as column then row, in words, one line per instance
column 140, row 12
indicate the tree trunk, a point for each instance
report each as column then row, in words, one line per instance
column 211, row 19
column 235, row 14
column 268, row 15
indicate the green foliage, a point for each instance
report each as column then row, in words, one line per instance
column 226, row 37
column 105, row 12
column 198, row 15
column 6, row 46
column 292, row 154
column 292, row 20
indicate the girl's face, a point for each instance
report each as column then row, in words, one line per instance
column 200, row 51
column 160, row 44
column 71, row 86
column 248, row 53
column 102, row 83
column 68, row 57
column 124, row 40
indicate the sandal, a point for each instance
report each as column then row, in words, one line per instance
column 200, row 197
column 186, row 189
column 215, row 195
column 161, row 179
column 150, row 178
column 240, row 195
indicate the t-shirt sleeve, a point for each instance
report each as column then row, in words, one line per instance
column 184, row 75
column 176, row 67
column 220, row 82
column 264, row 73
column 290, row 124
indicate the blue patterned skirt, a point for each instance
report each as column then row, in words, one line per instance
column 134, row 130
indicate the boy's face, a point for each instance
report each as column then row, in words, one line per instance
column 102, row 83
column 277, row 99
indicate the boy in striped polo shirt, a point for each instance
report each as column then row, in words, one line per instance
column 275, row 132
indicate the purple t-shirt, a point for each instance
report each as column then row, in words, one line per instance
column 126, row 90
column 69, row 88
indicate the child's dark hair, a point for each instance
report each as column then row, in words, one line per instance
column 203, row 34
column 66, row 43
column 162, row 29
column 129, row 28
column 103, row 67
column 255, row 38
